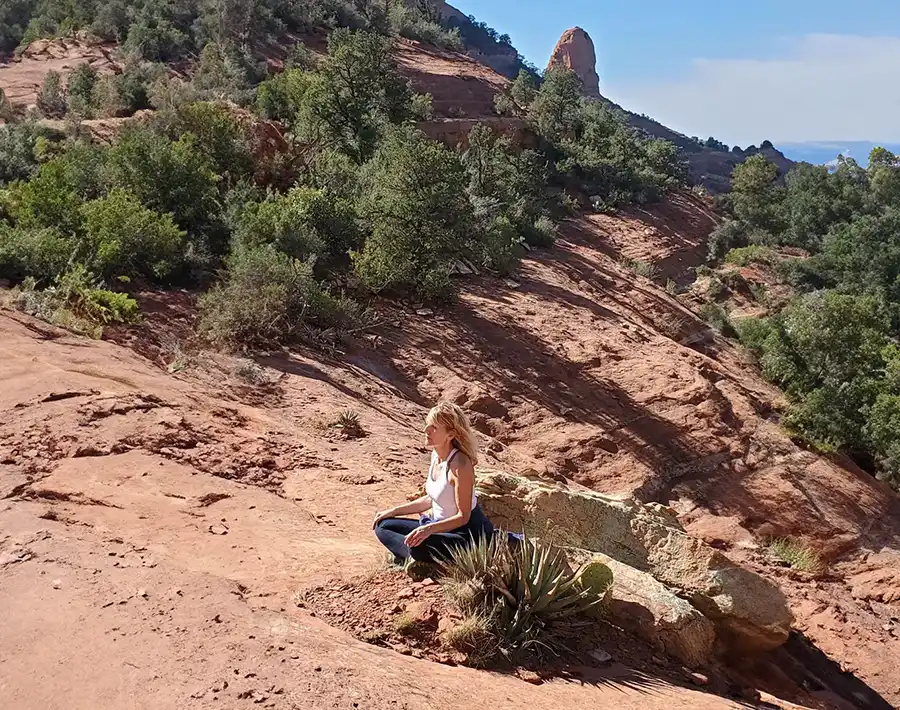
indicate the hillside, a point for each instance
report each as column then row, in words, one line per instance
column 111, row 466
column 193, row 527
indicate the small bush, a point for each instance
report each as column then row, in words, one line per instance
column 40, row 253
column 51, row 100
column 543, row 233
column 82, row 82
column 302, row 223
column 526, row 593
column 76, row 301
column 796, row 555
column 753, row 254
column 416, row 204
column 473, row 636
column 265, row 299
column 718, row 318
column 124, row 238
column 350, row 425
column 647, row 269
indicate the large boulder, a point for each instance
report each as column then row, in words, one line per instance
column 750, row 613
column 575, row 51
column 649, row 609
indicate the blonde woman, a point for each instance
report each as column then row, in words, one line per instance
column 454, row 517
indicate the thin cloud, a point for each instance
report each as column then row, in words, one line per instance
column 826, row 88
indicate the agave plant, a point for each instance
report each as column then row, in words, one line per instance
column 523, row 591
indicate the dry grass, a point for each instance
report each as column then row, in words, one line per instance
column 473, row 636
column 796, row 555
column 406, row 624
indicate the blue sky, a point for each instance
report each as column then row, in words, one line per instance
column 789, row 71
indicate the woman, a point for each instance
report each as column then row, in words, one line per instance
column 455, row 518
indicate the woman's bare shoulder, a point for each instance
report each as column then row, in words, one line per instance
column 461, row 462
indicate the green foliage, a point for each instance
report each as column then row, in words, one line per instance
column 123, row 238
column 422, row 22
column 753, row 254
column 82, row 83
column 76, row 301
column 825, row 350
column 266, row 298
column 166, row 176
column 49, row 199
column 526, row 594
column 51, row 99
column 416, row 206
column 18, row 160
column 510, row 198
column 39, row 253
column 718, row 318
column 302, row 223
column 755, row 196
column 555, row 110
column 352, row 97
column 219, row 138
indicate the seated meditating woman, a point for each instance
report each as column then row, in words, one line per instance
column 455, row 519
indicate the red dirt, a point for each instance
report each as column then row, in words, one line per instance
column 221, row 498
column 21, row 77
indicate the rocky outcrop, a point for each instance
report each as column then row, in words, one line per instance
column 575, row 51
column 749, row 612
column 647, row 608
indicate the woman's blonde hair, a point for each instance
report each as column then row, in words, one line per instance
column 454, row 419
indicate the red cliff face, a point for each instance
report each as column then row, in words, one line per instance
column 575, row 51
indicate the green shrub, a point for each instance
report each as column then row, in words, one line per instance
column 220, row 137
column 123, row 238
column 527, row 594
column 355, row 93
column 752, row 333
column 266, row 298
column 415, row 203
column 166, row 176
column 17, row 149
column 82, row 82
column 302, row 223
column 76, row 301
column 41, row 253
column 753, row 254
column 718, row 318
column 50, row 199
column 501, row 247
column 51, row 99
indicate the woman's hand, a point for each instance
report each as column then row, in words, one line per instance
column 383, row 515
column 418, row 536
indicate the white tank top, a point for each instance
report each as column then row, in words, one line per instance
column 441, row 490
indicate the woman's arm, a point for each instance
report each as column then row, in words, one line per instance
column 462, row 475
column 420, row 505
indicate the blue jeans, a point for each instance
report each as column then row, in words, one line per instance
column 393, row 531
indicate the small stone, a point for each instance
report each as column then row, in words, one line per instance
column 406, row 594
column 424, row 312
column 887, row 627
column 601, row 656
column 220, row 686
column 658, row 660
column 57, row 584
column 143, row 593
column 530, row 677
column 428, row 582
column 698, row 679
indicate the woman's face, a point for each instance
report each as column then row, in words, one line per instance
column 437, row 434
